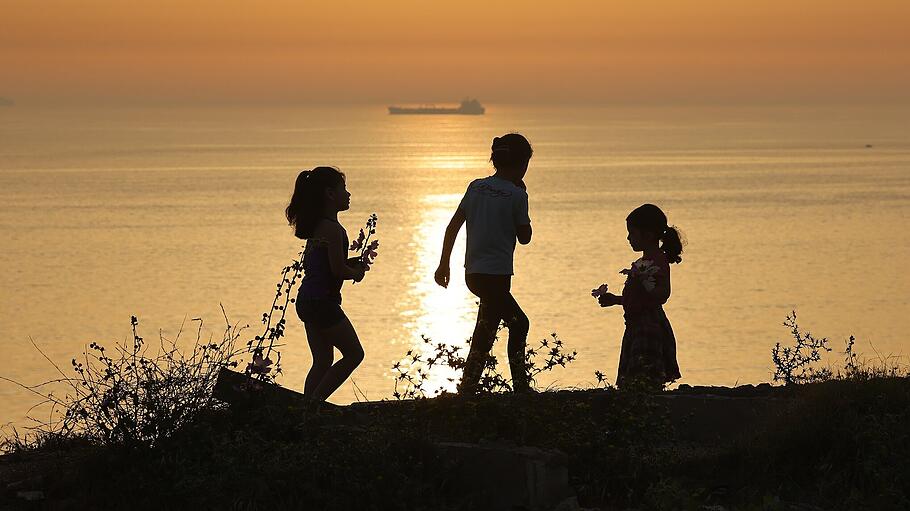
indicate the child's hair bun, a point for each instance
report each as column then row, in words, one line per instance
column 510, row 150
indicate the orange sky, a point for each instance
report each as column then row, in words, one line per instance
column 420, row 50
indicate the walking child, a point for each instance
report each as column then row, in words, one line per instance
column 319, row 195
column 495, row 209
column 648, row 353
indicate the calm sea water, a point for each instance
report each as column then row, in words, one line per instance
column 167, row 213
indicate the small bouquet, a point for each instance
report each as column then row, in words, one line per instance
column 363, row 244
column 644, row 270
column 600, row 291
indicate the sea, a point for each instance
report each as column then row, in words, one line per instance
column 169, row 214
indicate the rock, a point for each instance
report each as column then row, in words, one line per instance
column 496, row 477
column 713, row 418
column 238, row 389
column 571, row 504
column 31, row 495
column 29, row 483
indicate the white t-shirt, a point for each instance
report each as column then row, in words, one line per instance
column 493, row 209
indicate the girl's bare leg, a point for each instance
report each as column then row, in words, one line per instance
column 343, row 337
column 323, row 356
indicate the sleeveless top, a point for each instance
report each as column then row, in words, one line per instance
column 318, row 280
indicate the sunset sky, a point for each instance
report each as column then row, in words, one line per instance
column 418, row 50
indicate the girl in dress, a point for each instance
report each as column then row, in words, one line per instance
column 648, row 354
column 319, row 195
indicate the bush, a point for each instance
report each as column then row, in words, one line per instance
column 413, row 371
column 132, row 395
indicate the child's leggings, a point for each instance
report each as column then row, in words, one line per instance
column 496, row 304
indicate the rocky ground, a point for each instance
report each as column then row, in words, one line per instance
column 833, row 445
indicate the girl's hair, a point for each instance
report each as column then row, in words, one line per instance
column 649, row 218
column 308, row 200
column 510, row 151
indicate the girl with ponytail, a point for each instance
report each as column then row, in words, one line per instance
column 648, row 353
column 319, row 195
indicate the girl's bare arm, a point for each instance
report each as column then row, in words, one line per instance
column 338, row 251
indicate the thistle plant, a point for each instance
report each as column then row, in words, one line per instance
column 794, row 364
column 413, row 372
column 602, row 381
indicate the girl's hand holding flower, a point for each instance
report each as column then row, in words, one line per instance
column 368, row 249
column 604, row 298
column 596, row 293
column 359, row 272
column 360, row 268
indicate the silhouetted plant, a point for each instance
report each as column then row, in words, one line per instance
column 851, row 360
column 263, row 345
column 413, row 372
column 799, row 363
column 857, row 369
column 129, row 395
column 552, row 348
column 794, row 364
column 602, row 381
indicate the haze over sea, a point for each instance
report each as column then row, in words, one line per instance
column 165, row 213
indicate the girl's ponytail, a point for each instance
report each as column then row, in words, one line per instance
column 650, row 218
column 307, row 202
column 671, row 244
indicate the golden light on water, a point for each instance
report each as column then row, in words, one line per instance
column 450, row 161
column 443, row 315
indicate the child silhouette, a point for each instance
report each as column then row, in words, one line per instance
column 495, row 209
column 648, row 353
column 319, row 195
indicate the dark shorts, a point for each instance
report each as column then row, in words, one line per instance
column 322, row 312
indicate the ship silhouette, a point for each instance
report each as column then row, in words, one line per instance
column 467, row 107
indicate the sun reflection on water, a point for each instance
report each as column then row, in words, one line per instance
column 448, row 162
column 443, row 315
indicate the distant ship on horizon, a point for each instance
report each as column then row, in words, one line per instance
column 467, row 107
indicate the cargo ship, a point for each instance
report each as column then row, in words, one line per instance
column 467, row 107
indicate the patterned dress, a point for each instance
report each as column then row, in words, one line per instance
column 648, row 354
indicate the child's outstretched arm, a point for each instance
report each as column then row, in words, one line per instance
column 609, row 300
column 448, row 243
